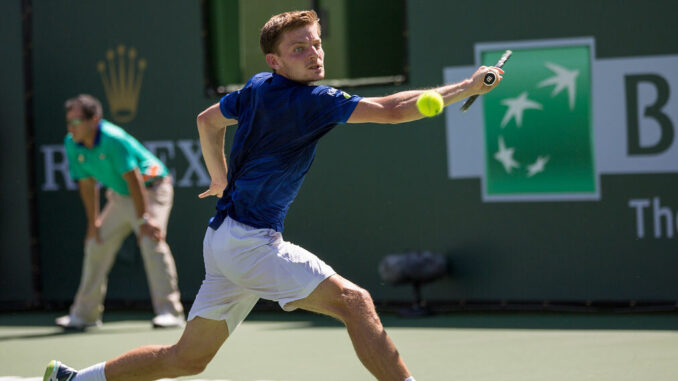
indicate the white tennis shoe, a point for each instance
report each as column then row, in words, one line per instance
column 72, row 322
column 168, row 320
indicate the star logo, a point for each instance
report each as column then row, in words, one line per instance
column 560, row 119
column 505, row 156
column 537, row 166
column 564, row 79
column 516, row 108
column 537, row 144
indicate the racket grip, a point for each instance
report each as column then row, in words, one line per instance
column 468, row 103
column 489, row 79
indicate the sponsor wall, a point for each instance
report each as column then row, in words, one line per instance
column 559, row 186
column 568, row 169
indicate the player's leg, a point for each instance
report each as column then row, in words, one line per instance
column 200, row 341
column 158, row 260
column 218, row 309
column 97, row 262
column 343, row 300
column 295, row 278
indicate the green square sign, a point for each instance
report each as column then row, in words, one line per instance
column 538, row 125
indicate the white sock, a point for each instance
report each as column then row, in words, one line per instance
column 93, row 373
column 410, row 379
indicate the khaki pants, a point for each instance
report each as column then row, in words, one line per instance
column 118, row 220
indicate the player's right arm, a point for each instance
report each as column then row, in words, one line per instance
column 89, row 193
column 401, row 107
column 212, row 130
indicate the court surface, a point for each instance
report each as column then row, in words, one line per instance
column 298, row 346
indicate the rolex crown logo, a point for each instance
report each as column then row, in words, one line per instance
column 121, row 75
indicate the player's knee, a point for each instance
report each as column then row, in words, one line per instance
column 356, row 303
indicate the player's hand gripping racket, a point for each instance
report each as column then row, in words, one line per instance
column 488, row 80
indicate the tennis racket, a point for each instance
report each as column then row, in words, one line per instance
column 488, row 80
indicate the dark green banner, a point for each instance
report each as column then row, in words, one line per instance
column 376, row 190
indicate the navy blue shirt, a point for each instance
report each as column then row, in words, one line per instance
column 279, row 124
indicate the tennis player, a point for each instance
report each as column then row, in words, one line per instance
column 280, row 116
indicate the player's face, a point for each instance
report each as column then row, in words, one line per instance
column 300, row 55
column 79, row 126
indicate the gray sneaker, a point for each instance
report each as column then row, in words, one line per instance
column 56, row 371
column 71, row 322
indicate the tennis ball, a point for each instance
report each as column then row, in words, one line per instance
column 430, row 103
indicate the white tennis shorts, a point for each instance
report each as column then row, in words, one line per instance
column 243, row 264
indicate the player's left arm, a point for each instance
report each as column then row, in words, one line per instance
column 401, row 107
column 212, row 130
column 139, row 196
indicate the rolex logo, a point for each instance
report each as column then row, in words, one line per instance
column 121, row 75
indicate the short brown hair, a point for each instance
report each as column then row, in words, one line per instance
column 278, row 24
column 89, row 105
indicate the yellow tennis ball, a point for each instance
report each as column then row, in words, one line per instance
column 430, row 103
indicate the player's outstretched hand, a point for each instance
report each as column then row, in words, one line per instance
column 214, row 190
column 479, row 85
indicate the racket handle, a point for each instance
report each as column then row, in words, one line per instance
column 488, row 80
column 468, row 103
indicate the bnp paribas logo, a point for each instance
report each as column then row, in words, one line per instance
column 121, row 74
column 561, row 118
column 538, row 125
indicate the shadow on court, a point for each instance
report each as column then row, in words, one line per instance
column 661, row 321
column 301, row 346
column 538, row 320
column 11, row 324
column 57, row 332
column 46, row 319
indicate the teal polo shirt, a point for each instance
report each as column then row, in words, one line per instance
column 114, row 153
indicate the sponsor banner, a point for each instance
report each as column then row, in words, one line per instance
column 185, row 152
column 561, row 118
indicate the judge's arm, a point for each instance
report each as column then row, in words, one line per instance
column 89, row 193
column 139, row 195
